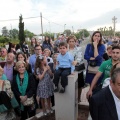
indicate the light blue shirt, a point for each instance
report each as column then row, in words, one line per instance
column 65, row 61
column 32, row 61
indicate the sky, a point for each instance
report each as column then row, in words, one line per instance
column 58, row 15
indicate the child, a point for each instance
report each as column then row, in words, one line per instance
column 45, row 86
column 63, row 68
column 47, row 53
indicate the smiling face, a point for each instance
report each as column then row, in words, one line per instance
column 38, row 50
column 21, row 68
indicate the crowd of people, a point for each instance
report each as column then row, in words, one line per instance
column 33, row 74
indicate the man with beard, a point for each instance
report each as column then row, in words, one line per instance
column 105, row 68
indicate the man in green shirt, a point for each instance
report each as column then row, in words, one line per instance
column 105, row 68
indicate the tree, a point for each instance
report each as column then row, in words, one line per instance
column 51, row 35
column 67, row 32
column 81, row 34
column 5, row 32
column 4, row 40
column 14, row 33
column 21, row 30
column 28, row 34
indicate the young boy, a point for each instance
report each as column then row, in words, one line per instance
column 64, row 67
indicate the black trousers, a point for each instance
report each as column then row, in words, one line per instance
column 27, row 113
column 63, row 73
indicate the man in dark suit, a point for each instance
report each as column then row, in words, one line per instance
column 105, row 105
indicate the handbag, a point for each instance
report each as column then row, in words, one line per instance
column 93, row 63
column 79, row 67
column 29, row 101
column 93, row 70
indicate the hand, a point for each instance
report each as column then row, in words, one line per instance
column 89, row 94
column 72, row 73
column 48, row 67
column 92, row 58
column 95, row 43
column 45, row 69
column 23, row 98
column 74, row 63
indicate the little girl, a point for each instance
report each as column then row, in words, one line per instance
column 45, row 87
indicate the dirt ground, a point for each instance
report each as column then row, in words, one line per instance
column 83, row 112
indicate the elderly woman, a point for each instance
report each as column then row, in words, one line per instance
column 7, row 99
column 77, row 53
column 23, row 87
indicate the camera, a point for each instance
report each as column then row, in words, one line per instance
column 48, row 59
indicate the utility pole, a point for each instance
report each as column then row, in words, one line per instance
column 114, row 23
column 41, row 25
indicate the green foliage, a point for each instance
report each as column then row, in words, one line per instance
column 117, row 34
column 67, row 32
column 28, row 34
column 49, row 34
column 13, row 33
column 4, row 40
column 21, row 30
column 83, row 33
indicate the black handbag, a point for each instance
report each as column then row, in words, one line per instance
column 80, row 67
column 93, row 63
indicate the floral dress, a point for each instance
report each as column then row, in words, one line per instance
column 45, row 87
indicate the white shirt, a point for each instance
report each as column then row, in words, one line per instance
column 117, row 102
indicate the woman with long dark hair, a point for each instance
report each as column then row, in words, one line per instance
column 47, row 43
column 93, row 54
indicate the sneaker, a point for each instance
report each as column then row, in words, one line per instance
column 62, row 90
column 56, row 89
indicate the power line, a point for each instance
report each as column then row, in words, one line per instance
column 18, row 19
column 30, row 18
